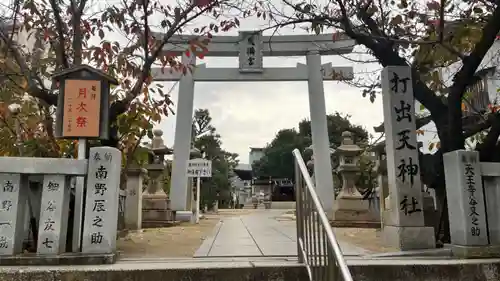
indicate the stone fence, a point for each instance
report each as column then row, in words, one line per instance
column 473, row 192
column 102, row 172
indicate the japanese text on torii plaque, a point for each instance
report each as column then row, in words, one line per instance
column 82, row 105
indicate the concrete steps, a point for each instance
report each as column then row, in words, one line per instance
column 261, row 269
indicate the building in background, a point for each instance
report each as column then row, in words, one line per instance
column 242, row 183
column 256, row 153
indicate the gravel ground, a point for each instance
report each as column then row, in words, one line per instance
column 184, row 239
column 366, row 238
column 175, row 241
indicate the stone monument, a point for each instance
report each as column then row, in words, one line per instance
column 380, row 169
column 155, row 204
column 350, row 209
column 466, row 208
column 101, row 203
column 133, row 202
column 404, row 226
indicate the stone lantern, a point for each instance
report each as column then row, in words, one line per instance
column 350, row 209
column 348, row 156
column 156, row 165
column 155, row 211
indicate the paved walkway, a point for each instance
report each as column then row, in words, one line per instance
column 258, row 234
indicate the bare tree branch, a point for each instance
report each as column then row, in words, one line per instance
column 481, row 124
column 61, row 52
column 179, row 22
column 452, row 50
column 146, row 27
column 420, row 122
column 77, row 31
column 464, row 77
column 441, row 20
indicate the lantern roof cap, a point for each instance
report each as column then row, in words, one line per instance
column 348, row 146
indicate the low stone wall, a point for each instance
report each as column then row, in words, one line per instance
column 365, row 270
column 451, row 270
column 150, row 271
column 283, row 205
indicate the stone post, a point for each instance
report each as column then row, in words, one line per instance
column 133, row 201
column 404, row 226
column 381, row 171
column 53, row 226
column 13, row 196
column 431, row 214
column 101, row 204
column 491, row 180
column 350, row 209
column 466, row 205
column 492, row 194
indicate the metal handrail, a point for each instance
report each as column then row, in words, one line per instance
column 317, row 246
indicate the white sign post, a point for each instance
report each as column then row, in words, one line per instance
column 199, row 168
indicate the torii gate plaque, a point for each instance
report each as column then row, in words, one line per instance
column 250, row 47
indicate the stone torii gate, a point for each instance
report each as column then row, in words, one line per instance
column 250, row 47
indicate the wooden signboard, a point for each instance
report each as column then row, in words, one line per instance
column 82, row 105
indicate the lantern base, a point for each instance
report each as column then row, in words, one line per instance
column 156, row 211
column 354, row 210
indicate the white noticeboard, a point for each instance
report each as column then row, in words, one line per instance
column 199, row 168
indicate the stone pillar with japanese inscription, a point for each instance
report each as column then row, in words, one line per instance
column 101, row 204
column 404, row 222
column 13, row 196
column 54, row 210
column 465, row 194
column 133, row 201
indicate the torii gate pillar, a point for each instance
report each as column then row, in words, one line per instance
column 250, row 47
column 182, row 139
column 319, row 129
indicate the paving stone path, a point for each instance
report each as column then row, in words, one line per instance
column 258, row 234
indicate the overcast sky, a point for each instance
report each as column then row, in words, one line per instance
column 250, row 114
